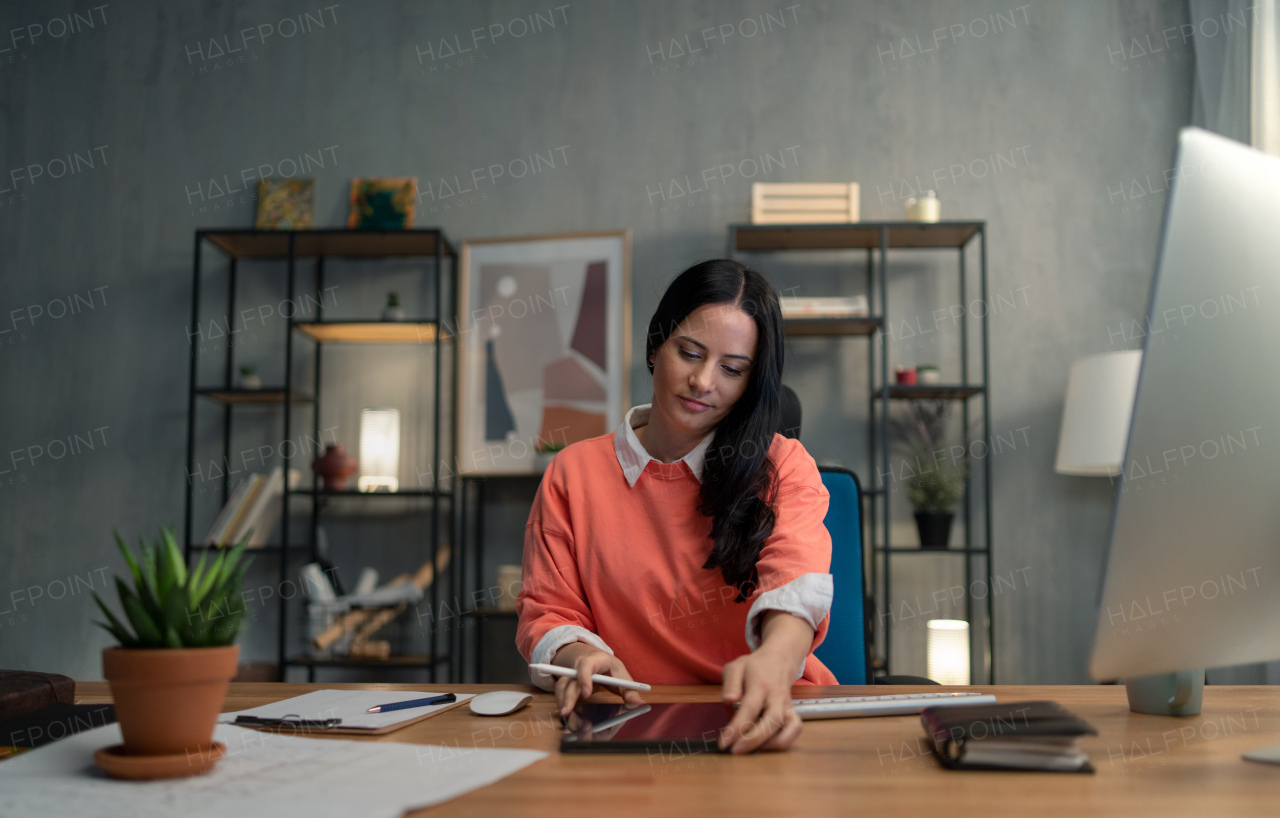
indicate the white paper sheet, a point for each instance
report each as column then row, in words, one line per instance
column 262, row 774
column 348, row 705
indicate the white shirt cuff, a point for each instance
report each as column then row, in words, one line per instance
column 808, row 597
column 550, row 644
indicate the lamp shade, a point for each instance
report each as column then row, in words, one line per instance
column 379, row 450
column 1095, row 418
column 948, row 651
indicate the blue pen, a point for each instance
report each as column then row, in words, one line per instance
column 427, row 702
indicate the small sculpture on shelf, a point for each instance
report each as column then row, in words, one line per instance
column 335, row 467
column 935, row 478
column 249, row 378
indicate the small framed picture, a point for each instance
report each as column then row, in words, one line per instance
column 544, row 331
column 286, row 204
column 382, row 204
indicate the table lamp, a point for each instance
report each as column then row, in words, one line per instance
column 947, row 645
column 379, row 450
column 1095, row 417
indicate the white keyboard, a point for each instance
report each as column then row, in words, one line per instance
column 847, row 707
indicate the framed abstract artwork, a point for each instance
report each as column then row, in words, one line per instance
column 382, row 204
column 286, row 204
column 544, row 329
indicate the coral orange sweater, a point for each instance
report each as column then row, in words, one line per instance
column 620, row 566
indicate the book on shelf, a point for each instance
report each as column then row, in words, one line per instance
column 853, row 306
column 253, row 510
column 1037, row 735
column 218, row 531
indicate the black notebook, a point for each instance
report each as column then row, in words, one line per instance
column 1008, row 736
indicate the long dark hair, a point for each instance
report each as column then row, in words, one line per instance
column 738, row 481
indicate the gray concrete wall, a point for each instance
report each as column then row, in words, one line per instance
column 1036, row 117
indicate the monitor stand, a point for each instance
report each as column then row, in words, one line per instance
column 1166, row 694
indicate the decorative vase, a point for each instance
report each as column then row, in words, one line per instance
column 253, row 381
column 335, row 466
column 167, row 701
column 934, row 528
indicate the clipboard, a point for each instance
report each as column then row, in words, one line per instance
column 314, row 713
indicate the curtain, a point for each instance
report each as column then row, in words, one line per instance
column 1222, row 39
column 1264, row 111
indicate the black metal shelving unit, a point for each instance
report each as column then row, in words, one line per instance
column 318, row 245
column 876, row 240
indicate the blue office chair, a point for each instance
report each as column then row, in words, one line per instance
column 844, row 650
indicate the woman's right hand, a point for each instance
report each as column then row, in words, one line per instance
column 588, row 660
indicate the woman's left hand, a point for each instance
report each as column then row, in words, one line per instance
column 761, row 683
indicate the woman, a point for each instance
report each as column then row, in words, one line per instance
column 688, row 546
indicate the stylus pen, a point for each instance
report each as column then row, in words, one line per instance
column 427, row 702
column 556, row 670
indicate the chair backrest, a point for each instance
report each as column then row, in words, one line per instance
column 844, row 651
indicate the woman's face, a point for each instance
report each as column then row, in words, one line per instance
column 702, row 368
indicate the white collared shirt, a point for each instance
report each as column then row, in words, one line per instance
column 633, row 456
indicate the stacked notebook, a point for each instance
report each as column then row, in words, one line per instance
column 252, row 510
column 1008, row 736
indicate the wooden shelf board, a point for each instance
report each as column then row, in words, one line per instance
column 371, row 332
column 855, row 236
column 931, row 392
column 796, row 327
column 915, row 549
column 408, row 660
column 356, row 493
column 330, row 242
column 239, row 396
column 501, row 612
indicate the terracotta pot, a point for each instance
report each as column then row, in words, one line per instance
column 335, row 467
column 168, row 700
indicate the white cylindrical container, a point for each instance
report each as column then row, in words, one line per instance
column 948, row 651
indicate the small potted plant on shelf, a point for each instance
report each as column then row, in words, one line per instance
column 176, row 656
column 249, row 378
column 934, row 477
column 393, row 310
column 546, row 450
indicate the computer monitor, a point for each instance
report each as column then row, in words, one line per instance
column 1193, row 575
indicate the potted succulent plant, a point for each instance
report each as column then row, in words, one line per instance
column 249, row 378
column 176, row 656
column 543, row 455
column 393, row 311
column 934, row 478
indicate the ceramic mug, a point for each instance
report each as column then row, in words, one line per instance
column 1167, row 694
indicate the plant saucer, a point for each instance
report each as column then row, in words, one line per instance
column 116, row 763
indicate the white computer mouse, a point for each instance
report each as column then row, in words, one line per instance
column 499, row 702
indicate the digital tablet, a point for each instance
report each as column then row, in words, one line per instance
column 682, row 728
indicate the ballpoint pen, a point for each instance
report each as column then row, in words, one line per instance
column 597, row 678
column 427, row 702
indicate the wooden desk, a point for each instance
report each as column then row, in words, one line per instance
column 1147, row 765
